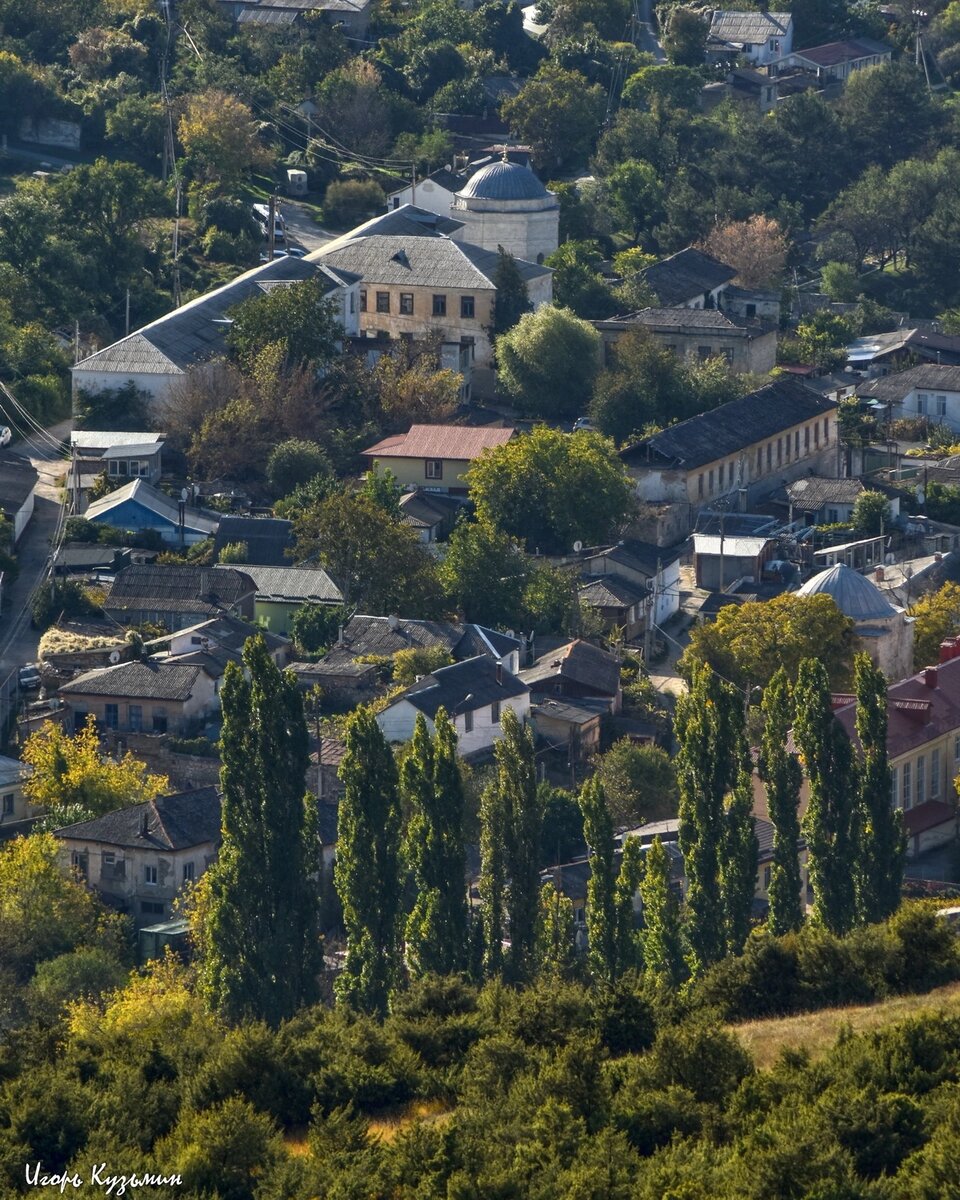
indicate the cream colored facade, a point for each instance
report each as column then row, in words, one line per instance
column 441, row 474
column 13, row 803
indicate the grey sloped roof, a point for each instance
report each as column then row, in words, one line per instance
column 610, row 591
column 580, row 662
column 267, row 539
column 377, row 635
column 194, row 332
column 748, row 27
column 148, row 582
column 157, row 502
column 929, row 377
column 812, row 493
column 293, row 583
column 853, row 593
column 831, row 53
column 422, row 261
column 18, row 478
column 152, row 679
column 711, row 319
column 407, row 221
column 729, row 428
column 504, row 181
column 467, row 685
column 174, row 822
column 685, row 275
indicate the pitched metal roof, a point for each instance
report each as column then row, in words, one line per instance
column 103, row 439
column 580, row 662
column 142, row 582
column 610, row 591
column 461, row 443
column 267, row 539
column 151, row 679
column 893, row 388
column 292, row 583
column 464, row 687
column 832, row 53
column 735, row 547
column 427, row 260
column 176, row 822
column 387, row 635
column 156, row 502
column 685, row 276
column 694, row 319
column 731, row 427
column 751, row 28
column 855, row 595
column 812, row 493
column 407, row 221
column 18, row 478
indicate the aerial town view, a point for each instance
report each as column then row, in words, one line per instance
column 479, row 600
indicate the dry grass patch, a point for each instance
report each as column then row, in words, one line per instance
column 816, row 1032
column 388, row 1124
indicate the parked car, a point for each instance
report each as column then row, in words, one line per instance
column 583, row 423
column 6, row 435
column 29, row 678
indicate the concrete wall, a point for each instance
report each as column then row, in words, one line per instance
column 530, row 236
column 398, row 720
column 23, row 515
column 429, row 195
column 180, row 715
column 156, row 387
column 745, row 353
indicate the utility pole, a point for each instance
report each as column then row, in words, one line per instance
column 126, row 323
column 272, row 228
column 723, row 514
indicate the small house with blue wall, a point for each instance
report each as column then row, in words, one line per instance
column 138, row 506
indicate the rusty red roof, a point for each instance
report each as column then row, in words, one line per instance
column 459, row 442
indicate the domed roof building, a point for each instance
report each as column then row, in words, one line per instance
column 885, row 631
column 505, row 204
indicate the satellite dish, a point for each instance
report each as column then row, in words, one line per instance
column 577, row 547
column 184, row 495
column 114, row 656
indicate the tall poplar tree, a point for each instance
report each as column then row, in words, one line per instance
column 366, row 873
column 601, row 911
column 523, row 819
column 738, row 861
column 828, row 822
column 882, row 844
column 432, row 790
column 556, row 947
column 706, row 727
column 663, row 948
column 629, row 951
column 493, row 880
column 782, row 777
column 258, row 920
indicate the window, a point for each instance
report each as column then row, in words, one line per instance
column 135, row 717
column 704, row 351
column 111, row 715
column 439, row 306
column 779, row 452
column 406, row 304
column 816, row 434
column 796, row 444
column 921, row 779
column 433, row 468
column 363, row 299
column 833, row 516
column 941, row 408
column 710, row 481
column 767, row 872
column 468, row 721
column 79, row 862
column 114, row 467
column 8, row 804
column 188, row 872
column 150, row 876
column 159, row 720
column 109, row 858
column 700, row 485
column 495, row 713
column 383, row 302
column 769, row 456
column 151, row 908
column 786, row 447
column 906, row 791
column 467, row 307
column 922, row 399
column 751, row 309
column 759, row 459
column 826, row 431
column 353, row 302
column 806, row 438
column 894, row 784
column 935, row 774
column 730, row 473
column 728, row 355
column 956, row 748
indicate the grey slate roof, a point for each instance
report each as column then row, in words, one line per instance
column 853, row 593
column 376, row 635
column 293, row 583
column 581, row 663
column 929, row 377
column 637, row 555
column 694, row 319
column 810, row 494
column 576, row 712
column 225, row 629
column 18, row 478
column 465, row 686
column 407, row 221
column 685, row 276
column 152, row 679
column 832, row 53
column 750, row 28
column 731, row 427
column 610, row 591
column 223, row 586
column 267, row 539
column 504, row 181
column 422, row 260
column 194, row 333
column 175, row 822
column 101, row 440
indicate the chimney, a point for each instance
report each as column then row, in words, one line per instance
column 393, row 621
column 340, row 635
column 499, row 674
column 947, row 649
column 930, row 676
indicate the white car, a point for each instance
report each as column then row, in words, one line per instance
column 6, row 435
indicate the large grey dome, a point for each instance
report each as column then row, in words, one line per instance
column 853, row 593
column 504, row 181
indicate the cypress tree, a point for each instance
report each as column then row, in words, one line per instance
column 556, row 949
column 738, row 862
column 782, row 777
column 493, row 883
column 708, row 735
column 601, row 910
column 828, row 822
column 366, row 874
column 882, row 843
column 432, row 790
column 629, row 953
column 258, row 922
column 517, row 785
column 663, row 957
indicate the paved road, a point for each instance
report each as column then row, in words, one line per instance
column 18, row 641
column 302, row 229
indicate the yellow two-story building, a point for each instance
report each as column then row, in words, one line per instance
column 435, row 457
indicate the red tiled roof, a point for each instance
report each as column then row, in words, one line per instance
column 918, row 711
column 927, row 816
column 459, row 442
